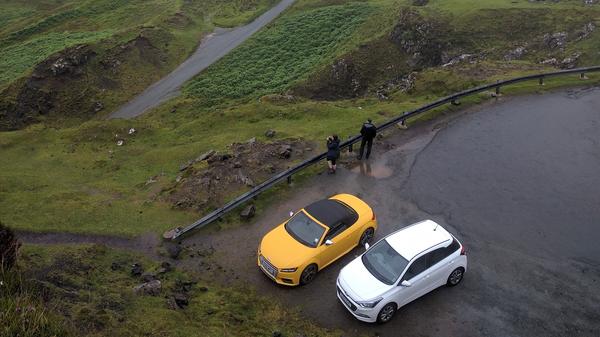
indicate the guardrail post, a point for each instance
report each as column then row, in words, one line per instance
column 582, row 76
column 497, row 90
column 289, row 180
column 455, row 102
column 350, row 147
column 541, row 80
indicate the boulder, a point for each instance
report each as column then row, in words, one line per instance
column 515, row 54
column 151, row 288
column 285, row 151
column 556, row 40
column 248, row 212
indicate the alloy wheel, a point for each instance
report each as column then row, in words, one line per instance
column 308, row 275
column 366, row 236
column 386, row 313
column 455, row 277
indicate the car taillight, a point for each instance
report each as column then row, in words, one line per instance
column 462, row 250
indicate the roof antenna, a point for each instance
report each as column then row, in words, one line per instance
column 436, row 226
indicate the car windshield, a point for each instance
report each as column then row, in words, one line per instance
column 304, row 230
column 384, row 262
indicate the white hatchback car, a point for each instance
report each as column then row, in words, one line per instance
column 400, row 268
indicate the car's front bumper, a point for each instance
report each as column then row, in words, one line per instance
column 286, row 279
column 368, row 315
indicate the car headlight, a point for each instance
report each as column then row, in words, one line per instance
column 288, row 270
column 370, row 304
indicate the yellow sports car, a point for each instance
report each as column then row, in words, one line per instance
column 314, row 237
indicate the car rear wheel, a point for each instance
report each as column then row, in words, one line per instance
column 386, row 313
column 308, row 274
column 366, row 236
column 455, row 277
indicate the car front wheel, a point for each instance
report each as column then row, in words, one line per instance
column 455, row 277
column 386, row 313
column 308, row 274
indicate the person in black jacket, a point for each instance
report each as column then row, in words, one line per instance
column 333, row 152
column 368, row 132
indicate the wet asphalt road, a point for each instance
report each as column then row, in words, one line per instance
column 517, row 180
column 212, row 48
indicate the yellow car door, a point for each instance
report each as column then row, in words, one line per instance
column 337, row 242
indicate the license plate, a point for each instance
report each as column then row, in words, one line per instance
column 267, row 268
column 345, row 300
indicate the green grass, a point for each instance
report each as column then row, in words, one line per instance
column 75, row 178
column 16, row 60
column 280, row 54
column 87, row 296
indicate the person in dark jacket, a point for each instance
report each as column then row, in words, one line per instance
column 333, row 152
column 368, row 132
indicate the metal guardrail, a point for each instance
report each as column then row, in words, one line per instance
column 218, row 213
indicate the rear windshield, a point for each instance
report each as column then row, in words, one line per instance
column 384, row 262
column 304, row 230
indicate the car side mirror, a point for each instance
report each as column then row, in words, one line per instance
column 291, row 214
column 406, row 283
column 367, row 246
column 328, row 243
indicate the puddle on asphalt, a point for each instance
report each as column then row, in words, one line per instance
column 376, row 170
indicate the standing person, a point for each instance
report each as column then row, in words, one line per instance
column 333, row 152
column 368, row 132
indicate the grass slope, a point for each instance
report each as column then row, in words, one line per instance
column 88, row 290
column 279, row 55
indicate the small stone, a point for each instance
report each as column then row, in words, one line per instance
column 270, row 133
column 237, row 164
column 181, row 300
column 166, row 265
column 248, row 212
column 173, row 250
column 136, row 269
column 149, row 288
column 147, row 277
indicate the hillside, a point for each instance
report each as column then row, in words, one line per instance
column 323, row 67
column 82, row 59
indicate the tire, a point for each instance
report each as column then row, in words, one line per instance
column 386, row 313
column 308, row 274
column 455, row 277
column 367, row 236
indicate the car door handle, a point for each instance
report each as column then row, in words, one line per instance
column 427, row 276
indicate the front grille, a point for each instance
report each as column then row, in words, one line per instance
column 268, row 267
column 346, row 300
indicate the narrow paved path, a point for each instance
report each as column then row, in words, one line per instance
column 517, row 180
column 212, row 48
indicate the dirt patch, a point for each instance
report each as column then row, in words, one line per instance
column 213, row 178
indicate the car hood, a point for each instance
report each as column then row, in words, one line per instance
column 359, row 283
column 282, row 250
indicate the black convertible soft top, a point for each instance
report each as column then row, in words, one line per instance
column 330, row 212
